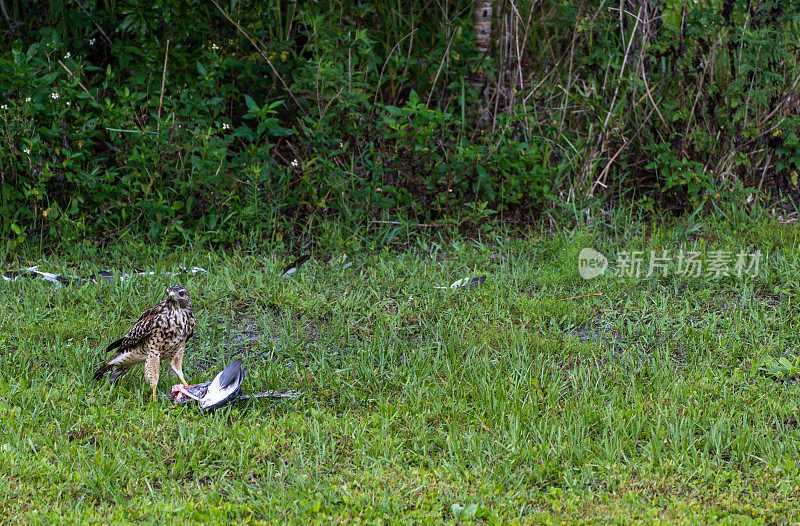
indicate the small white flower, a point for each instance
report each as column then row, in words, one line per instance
column 226, row 126
column 67, row 103
column 54, row 95
column 67, row 55
column 27, row 151
column 91, row 41
column 27, row 99
column 3, row 106
column 214, row 47
column 295, row 163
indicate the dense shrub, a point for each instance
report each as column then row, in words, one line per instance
column 273, row 116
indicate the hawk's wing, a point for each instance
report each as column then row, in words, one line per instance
column 140, row 330
column 190, row 323
column 121, row 362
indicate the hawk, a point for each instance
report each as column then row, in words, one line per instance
column 160, row 334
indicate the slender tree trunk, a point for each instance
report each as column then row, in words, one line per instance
column 482, row 22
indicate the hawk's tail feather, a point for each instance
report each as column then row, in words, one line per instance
column 117, row 372
column 115, row 344
column 101, row 371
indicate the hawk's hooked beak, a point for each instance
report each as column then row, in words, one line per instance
column 171, row 295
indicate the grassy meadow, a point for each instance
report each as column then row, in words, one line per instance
column 539, row 397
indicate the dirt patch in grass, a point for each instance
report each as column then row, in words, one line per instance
column 257, row 335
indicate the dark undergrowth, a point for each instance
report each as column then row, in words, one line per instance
column 190, row 121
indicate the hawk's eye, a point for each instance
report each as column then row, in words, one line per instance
column 183, row 293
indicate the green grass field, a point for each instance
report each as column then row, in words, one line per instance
column 644, row 401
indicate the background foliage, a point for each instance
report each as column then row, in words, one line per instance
column 197, row 121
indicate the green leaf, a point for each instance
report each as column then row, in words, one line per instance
column 16, row 51
column 251, row 104
column 397, row 112
column 32, row 50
